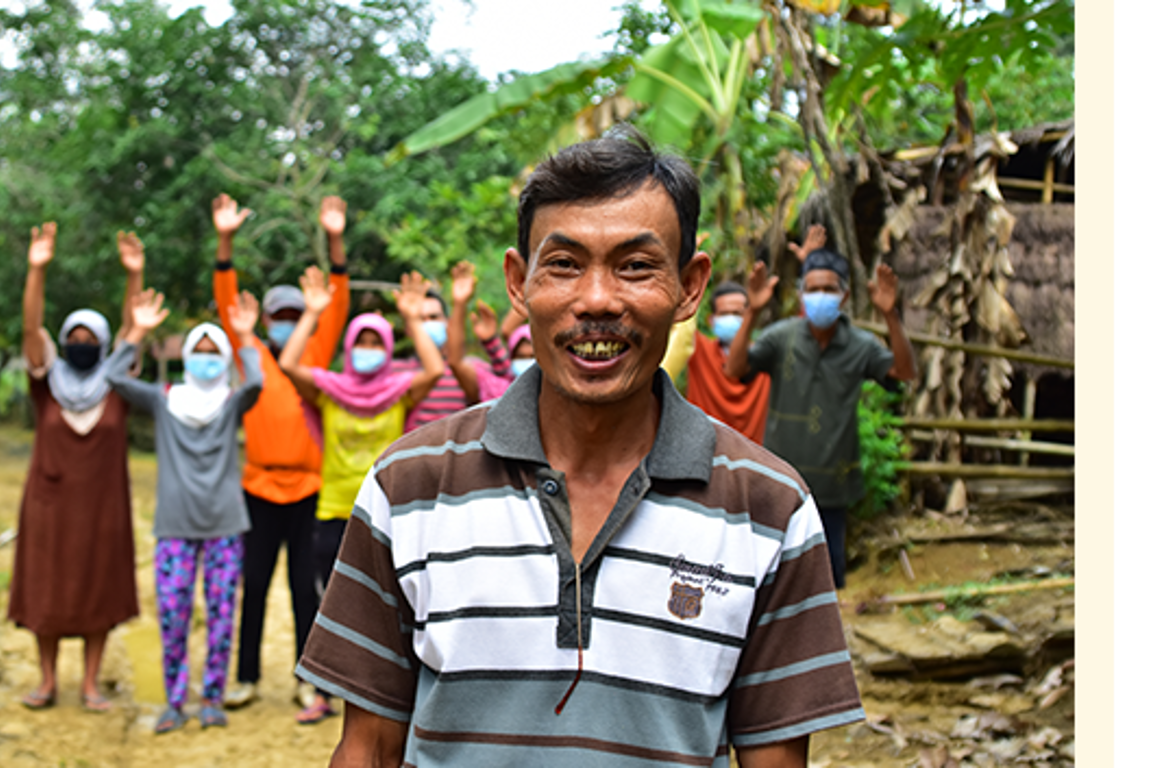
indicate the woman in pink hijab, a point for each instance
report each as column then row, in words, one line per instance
column 356, row 413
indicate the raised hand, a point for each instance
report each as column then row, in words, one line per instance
column 484, row 321
column 148, row 311
column 814, row 239
column 225, row 216
column 463, row 283
column 131, row 251
column 43, row 245
column 410, row 298
column 243, row 315
column 317, row 290
column 883, row 289
column 760, row 286
column 333, row 215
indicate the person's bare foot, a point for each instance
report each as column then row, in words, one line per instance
column 41, row 698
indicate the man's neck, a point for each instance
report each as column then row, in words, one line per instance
column 823, row 336
column 590, row 439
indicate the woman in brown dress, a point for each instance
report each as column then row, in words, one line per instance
column 74, row 572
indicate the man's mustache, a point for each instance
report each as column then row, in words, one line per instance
column 598, row 328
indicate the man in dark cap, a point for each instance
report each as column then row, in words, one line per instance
column 817, row 364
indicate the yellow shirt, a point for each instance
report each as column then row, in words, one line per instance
column 351, row 446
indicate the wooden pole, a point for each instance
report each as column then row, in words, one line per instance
column 1012, row 444
column 989, row 425
column 941, row 595
column 975, row 349
column 1049, row 179
column 1029, row 412
column 985, row 470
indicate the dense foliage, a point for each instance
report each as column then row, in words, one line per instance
column 137, row 122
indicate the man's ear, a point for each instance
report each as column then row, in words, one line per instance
column 694, row 278
column 515, row 274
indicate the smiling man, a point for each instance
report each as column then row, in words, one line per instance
column 587, row 571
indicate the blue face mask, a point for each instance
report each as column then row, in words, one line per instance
column 725, row 327
column 279, row 331
column 368, row 360
column 822, row 309
column 205, row 366
column 521, row 364
column 437, row 330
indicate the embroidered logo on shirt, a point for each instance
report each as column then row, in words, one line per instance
column 685, row 601
column 712, row 578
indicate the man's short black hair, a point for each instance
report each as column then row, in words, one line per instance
column 825, row 258
column 432, row 293
column 723, row 289
column 614, row 165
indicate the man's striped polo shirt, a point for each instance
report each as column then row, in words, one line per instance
column 704, row 609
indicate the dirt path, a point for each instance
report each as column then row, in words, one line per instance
column 1026, row 717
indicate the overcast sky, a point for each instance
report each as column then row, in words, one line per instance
column 500, row 35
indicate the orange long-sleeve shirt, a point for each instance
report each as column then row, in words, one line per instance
column 282, row 463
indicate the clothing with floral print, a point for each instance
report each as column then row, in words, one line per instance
column 176, row 564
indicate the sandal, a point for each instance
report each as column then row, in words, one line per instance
column 319, row 710
column 37, row 700
column 95, row 703
column 170, row 720
column 211, row 715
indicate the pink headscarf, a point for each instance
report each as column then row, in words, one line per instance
column 361, row 394
column 521, row 333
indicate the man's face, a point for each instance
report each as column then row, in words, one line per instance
column 822, row 281
column 729, row 304
column 286, row 315
column 431, row 310
column 602, row 288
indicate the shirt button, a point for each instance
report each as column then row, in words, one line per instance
column 551, row 487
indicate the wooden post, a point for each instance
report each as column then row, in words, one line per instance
column 1049, row 177
column 1029, row 413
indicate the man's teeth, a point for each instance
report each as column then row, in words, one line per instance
column 602, row 350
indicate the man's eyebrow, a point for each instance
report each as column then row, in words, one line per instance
column 644, row 238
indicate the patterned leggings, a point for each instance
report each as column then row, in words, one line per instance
column 175, row 584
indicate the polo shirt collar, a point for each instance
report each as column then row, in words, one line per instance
column 683, row 449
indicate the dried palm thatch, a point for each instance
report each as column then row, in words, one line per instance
column 979, row 270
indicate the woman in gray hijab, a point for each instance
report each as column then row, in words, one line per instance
column 74, row 571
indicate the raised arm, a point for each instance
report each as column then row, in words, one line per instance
column 760, row 290
column 883, row 290
column 463, row 287
column 410, row 301
column 40, row 252
column 484, row 328
column 317, row 297
column 242, row 316
column 226, row 218
column 813, row 240
column 322, row 344
column 148, row 313
column 132, row 259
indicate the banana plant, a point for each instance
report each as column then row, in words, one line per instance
column 687, row 92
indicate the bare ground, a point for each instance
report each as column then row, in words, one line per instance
column 969, row 720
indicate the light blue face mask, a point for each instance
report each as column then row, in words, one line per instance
column 822, row 309
column 437, row 330
column 725, row 327
column 279, row 331
column 521, row 364
column 205, row 366
column 368, row 360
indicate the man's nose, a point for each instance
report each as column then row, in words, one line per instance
column 600, row 294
